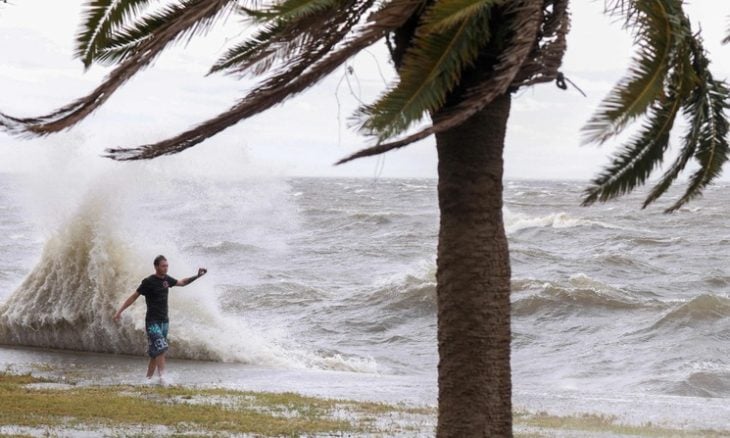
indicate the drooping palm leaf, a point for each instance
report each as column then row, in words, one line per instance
column 288, row 36
column 712, row 147
column 635, row 162
column 339, row 22
column 277, row 89
column 695, row 112
column 633, row 165
column 543, row 63
column 431, row 69
column 128, row 40
column 181, row 20
column 658, row 29
column 100, row 17
column 295, row 9
column 253, row 49
column 703, row 100
column 125, row 41
column 444, row 15
column 526, row 16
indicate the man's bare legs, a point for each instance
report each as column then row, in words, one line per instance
column 161, row 365
column 151, row 367
column 156, row 363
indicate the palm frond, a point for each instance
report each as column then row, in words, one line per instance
column 634, row 163
column 281, row 40
column 442, row 16
column 295, row 9
column 658, row 30
column 704, row 101
column 100, row 17
column 625, row 9
column 526, row 16
column 694, row 111
column 183, row 20
column 431, row 69
column 727, row 38
column 339, row 24
column 712, row 146
column 543, row 63
column 277, row 89
column 242, row 55
column 126, row 41
column 116, row 53
column 286, row 37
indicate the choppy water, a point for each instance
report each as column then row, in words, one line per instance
column 337, row 275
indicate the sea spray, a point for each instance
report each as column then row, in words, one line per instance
column 85, row 272
column 68, row 299
column 98, row 256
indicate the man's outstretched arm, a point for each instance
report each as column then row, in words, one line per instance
column 187, row 281
column 132, row 298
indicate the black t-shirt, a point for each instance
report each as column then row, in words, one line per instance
column 155, row 289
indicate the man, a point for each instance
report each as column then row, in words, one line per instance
column 155, row 289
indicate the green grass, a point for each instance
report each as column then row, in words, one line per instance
column 133, row 410
column 542, row 423
column 185, row 410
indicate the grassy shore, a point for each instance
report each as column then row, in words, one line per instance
column 34, row 406
column 31, row 405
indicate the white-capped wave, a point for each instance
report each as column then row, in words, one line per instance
column 519, row 221
column 581, row 294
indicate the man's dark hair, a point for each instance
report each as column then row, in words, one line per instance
column 158, row 259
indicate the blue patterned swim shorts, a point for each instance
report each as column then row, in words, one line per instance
column 156, row 337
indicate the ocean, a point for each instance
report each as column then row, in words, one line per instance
column 326, row 286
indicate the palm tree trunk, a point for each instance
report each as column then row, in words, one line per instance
column 473, row 279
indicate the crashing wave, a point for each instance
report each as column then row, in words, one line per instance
column 69, row 298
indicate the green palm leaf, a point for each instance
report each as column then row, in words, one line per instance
column 656, row 36
column 444, row 15
column 712, row 146
column 126, row 40
column 100, row 18
column 291, row 29
column 280, row 87
column 525, row 17
column 293, row 9
column 118, row 52
column 694, row 111
column 431, row 68
column 703, row 101
column 253, row 49
column 635, row 162
column 185, row 19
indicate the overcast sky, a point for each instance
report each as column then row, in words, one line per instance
column 308, row 133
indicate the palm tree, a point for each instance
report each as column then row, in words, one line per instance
column 458, row 61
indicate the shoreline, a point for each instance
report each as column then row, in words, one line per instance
column 37, row 406
column 538, row 413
